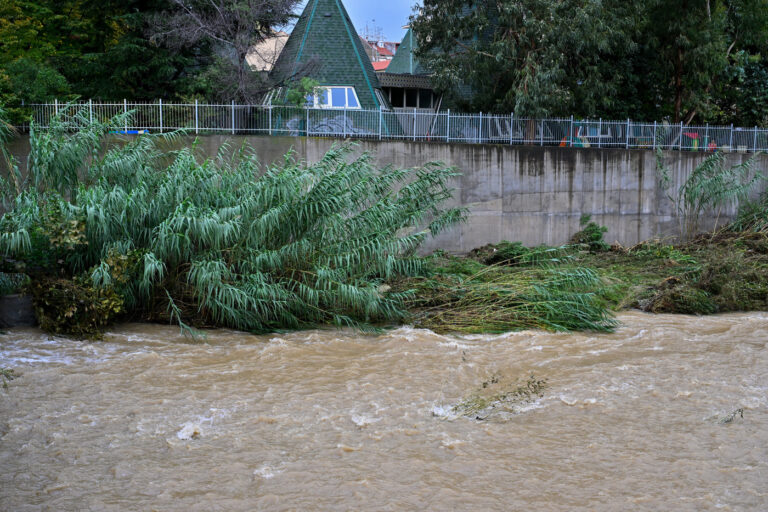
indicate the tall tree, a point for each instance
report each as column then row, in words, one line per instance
column 232, row 27
column 608, row 58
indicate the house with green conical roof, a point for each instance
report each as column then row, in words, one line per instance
column 406, row 82
column 325, row 46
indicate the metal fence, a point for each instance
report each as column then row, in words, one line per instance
column 409, row 124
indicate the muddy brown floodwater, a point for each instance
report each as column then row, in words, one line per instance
column 335, row 420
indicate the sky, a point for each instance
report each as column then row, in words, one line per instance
column 387, row 15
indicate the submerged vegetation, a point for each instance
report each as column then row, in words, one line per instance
column 499, row 396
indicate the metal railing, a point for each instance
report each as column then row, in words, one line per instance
column 411, row 124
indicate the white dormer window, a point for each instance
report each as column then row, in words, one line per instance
column 336, row 97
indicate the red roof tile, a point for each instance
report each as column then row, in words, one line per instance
column 381, row 65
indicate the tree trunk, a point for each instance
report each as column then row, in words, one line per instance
column 678, row 84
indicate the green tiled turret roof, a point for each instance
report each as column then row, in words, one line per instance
column 404, row 61
column 325, row 34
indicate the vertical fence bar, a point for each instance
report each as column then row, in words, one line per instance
column 381, row 121
column 511, row 126
column 627, row 142
column 56, row 105
column 600, row 133
column 269, row 119
column 414, row 124
column 233, row 117
column 706, row 138
column 196, row 119
column 125, row 111
column 680, row 142
column 542, row 132
column 448, row 127
column 570, row 132
column 654, row 136
column 754, row 144
column 161, row 115
column 480, row 133
column 90, row 114
column 306, row 126
column 730, row 144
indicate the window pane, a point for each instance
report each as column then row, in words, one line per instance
column 411, row 96
column 351, row 100
column 338, row 97
column 396, row 98
column 425, row 98
column 324, row 98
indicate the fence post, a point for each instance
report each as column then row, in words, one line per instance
column 600, row 133
column 654, row 136
column 233, row 117
column 196, row 119
column 448, row 127
column 480, row 135
column 542, row 132
column 269, row 127
column 628, row 126
column 511, row 126
column 90, row 114
column 345, row 122
column 381, row 121
column 306, row 127
column 754, row 144
column 570, row 132
column 730, row 144
column 706, row 138
column 125, row 111
column 161, row 115
column 56, row 105
column 680, row 142
column 414, row 124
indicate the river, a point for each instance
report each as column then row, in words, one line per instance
column 646, row 418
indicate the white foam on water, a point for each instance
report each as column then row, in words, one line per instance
column 362, row 420
column 266, row 472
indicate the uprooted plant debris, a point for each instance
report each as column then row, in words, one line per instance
column 500, row 396
column 510, row 287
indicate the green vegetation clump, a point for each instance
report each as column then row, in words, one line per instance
column 7, row 376
column 167, row 235
column 74, row 306
column 462, row 295
column 591, row 235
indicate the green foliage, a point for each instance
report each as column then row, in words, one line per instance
column 306, row 87
column 11, row 283
column 711, row 186
column 753, row 216
column 223, row 241
column 6, row 376
column 73, row 307
column 612, row 59
column 591, row 235
column 501, row 298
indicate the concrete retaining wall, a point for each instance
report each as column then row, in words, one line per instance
column 532, row 194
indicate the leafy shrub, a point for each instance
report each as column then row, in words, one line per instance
column 73, row 306
column 220, row 241
column 591, row 235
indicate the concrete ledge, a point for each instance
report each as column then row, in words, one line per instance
column 17, row 311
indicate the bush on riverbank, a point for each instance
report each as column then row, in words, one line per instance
column 215, row 242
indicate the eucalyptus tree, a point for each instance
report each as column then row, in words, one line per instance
column 649, row 59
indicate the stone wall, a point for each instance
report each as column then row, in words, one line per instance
column 532, row 194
